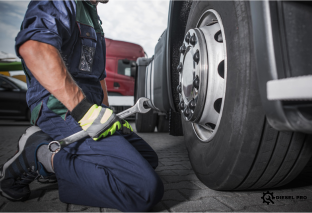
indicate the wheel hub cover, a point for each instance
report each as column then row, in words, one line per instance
column 202, row 75
column 192, row 77
column 188, row 90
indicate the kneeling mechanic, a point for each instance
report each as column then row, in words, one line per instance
column 114, row 168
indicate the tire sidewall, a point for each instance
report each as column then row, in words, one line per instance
column 224, row 162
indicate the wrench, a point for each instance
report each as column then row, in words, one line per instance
column 138, row 107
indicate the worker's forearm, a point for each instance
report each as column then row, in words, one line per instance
column 47, row 66
column 105, row 100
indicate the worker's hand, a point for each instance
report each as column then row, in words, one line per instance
column 100, row 122
column 97, row 121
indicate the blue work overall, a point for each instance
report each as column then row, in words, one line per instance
column 114, row 172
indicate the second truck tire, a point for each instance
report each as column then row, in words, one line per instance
column 162, row 123
column 143, row 122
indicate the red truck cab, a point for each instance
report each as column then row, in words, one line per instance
column 121, row 67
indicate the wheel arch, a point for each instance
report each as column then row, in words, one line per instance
column 275, row 61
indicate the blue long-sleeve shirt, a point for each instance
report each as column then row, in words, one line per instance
column 72, row 27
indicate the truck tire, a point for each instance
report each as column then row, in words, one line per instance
column 244, row 152
column 146, row 122
column 143, row 122
column 28, row 115
column 162, row 123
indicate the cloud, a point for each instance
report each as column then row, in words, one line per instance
column 140, row 21
column 11, row 16
column 8, row 30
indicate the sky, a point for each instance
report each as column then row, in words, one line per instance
column 138, row 21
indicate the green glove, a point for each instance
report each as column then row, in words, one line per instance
column 126, row 127
column 97, row 121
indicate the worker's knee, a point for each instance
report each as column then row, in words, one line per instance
column 152, row 192
column 155, row 189
column 154, row 160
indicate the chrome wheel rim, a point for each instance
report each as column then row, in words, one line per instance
column 202, row 75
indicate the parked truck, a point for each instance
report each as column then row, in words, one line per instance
column 121, row 70
column 235, row 78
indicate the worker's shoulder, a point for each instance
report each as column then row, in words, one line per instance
column 62, row 7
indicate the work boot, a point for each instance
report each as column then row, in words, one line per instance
column 47, row 180
column 23, row 167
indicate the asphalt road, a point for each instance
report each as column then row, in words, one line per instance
column 183, row 191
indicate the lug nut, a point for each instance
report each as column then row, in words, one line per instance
column 193, row 40
column 179, row 90
column 196, row 82
column 187, row 37
column 187, row 112
column 183, row 49
column 192, row 104
column 181, row 105
column 196, row 56
column 180, row 67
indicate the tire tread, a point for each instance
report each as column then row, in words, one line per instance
column 287, row 159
